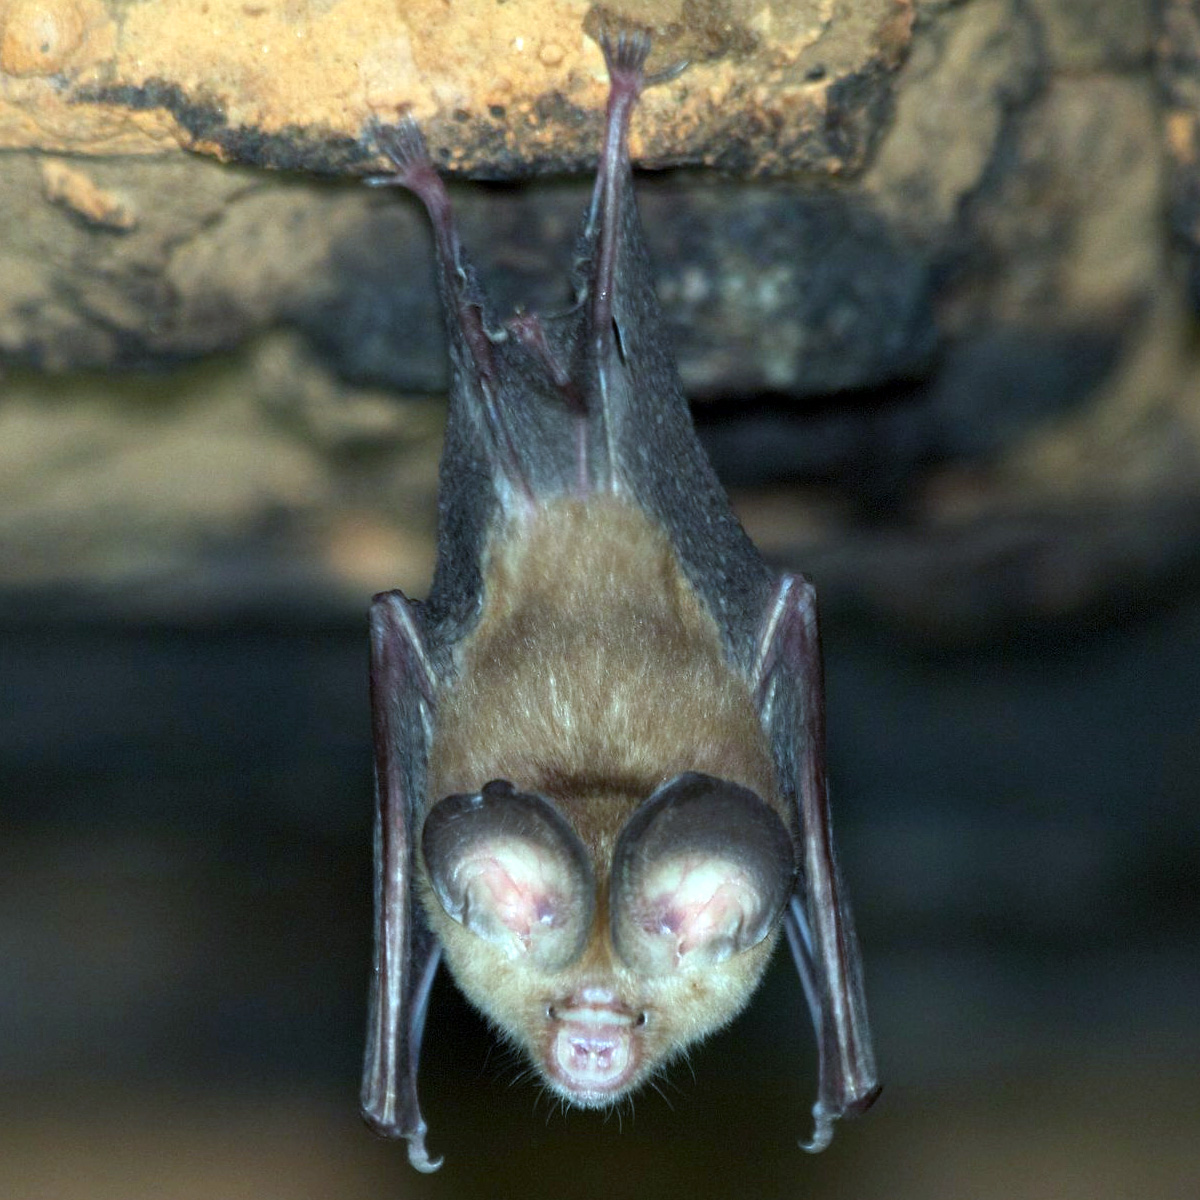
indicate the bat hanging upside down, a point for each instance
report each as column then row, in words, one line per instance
column 599, row 743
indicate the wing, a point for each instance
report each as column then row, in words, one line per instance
column 406, row 953
column 516, row 429
column 790, row 689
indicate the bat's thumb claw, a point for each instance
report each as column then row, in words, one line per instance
column 667, row 73
column 418, row 1155
column 822, row 1133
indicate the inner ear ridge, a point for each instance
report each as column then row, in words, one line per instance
column 698, row 814
column 457, row 824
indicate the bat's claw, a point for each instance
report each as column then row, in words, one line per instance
column 822, row 1133
column 418, row 1156
column 625, row 53
column 405, row 145
column 667, row 73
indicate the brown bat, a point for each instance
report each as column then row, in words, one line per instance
column 599, row 744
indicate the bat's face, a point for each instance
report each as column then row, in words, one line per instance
column 602, row 971
column 618, row 898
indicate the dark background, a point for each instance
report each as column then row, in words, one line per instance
column 184, row 913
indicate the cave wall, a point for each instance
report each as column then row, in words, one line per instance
column 935, row 302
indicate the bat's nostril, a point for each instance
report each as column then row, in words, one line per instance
column 595, row 1060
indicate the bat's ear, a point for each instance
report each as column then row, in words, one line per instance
column 700, row 872
column 507, row 866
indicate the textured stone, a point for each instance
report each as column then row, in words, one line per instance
column 1093, row 35
column 77, row 192
column 1068, row 225
column 968, row 72
column 800, row 294
column 500, row 88
column 129, row 485
column 958, row 385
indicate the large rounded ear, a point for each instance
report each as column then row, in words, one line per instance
column 507, row 866
column 700, row 872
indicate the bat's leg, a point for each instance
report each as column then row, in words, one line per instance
column 406, row 953
column 625, row 58
column 471, row 341
column 790, row 679
column 405, row 146
column 626, row 61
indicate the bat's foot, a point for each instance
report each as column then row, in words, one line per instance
column 405, row 145
column 625, row 56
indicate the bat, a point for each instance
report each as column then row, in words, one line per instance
column 599, row 742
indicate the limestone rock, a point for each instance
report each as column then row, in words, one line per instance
column 946, row 357
column 500, row 89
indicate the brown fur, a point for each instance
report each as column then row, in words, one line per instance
column 594, row 669
column 594, row 675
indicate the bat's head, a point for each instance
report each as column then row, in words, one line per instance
column 603, row 967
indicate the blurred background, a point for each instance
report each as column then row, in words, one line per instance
column 959, row 388
column 186, row 916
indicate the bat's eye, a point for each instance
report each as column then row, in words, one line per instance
column 700, row 872
column 507, row 866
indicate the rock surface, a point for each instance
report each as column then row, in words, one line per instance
column 499, row 88
column 947, row 357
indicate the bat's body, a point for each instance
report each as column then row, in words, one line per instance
column 599, row 743
column 593, row 676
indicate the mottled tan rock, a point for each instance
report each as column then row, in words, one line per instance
column 128, row 484
column 963, row 78
column 1178, row 61
column 500, row 88
column 75, row 190
column 958, row 385
column 1091, row 35
column 42, row 37
column 1070, row 226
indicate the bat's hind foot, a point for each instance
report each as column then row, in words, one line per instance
column 625, row 54
column 405, row 145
